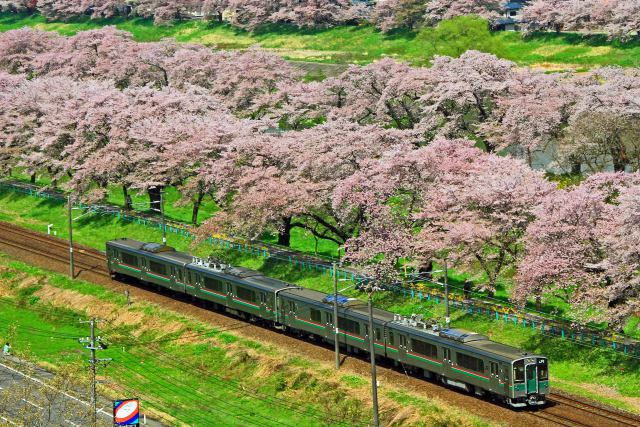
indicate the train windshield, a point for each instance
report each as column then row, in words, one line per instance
column 543, row 369
column 518, row 371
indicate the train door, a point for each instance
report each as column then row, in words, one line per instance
column 531, row 371
column 504, row 378
column 329, row 326
column 180, row 280
column 446, row 361
column 172, row 277
column 402, row 347
column 291, row 309
column 262, row 298
column 230, row 302
column 494, row 369
column 191, row 281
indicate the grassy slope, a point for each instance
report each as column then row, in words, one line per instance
column 185, row 371
column 363, row 44
column 599, row 374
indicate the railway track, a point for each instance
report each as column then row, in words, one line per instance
column 563, row 411
column 85, row 259
column 594, row 411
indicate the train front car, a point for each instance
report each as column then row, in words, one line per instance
column 530, row 382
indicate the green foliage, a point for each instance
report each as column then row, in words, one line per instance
column 455, row 36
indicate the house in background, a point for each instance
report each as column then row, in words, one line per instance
column 512, row 16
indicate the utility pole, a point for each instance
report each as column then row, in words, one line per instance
column 335, row 314
column 71, row 264
column 447, row 316
column 94, row 344
column 372, row 355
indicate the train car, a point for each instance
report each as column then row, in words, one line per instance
column 455, row 357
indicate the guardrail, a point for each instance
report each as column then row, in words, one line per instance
column 496, row 310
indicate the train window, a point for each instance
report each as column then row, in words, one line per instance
column 213, row 284
column 543, row 370
column 392, row 340
column 156, row 267
column 230, row 288
column 470, row 362
column 246, row 294
column 129, row 259
column 329, row 318
column 316, row 315
column 424, row 348
column 378, row 334
column 292, row 306
column 263, row 297
column 180, row 275
column 189, row 277
column 173, row 270
column 518, row 371
column 403, row 340
column 349, row 325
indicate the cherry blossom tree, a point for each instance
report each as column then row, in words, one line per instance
column 276, row 183
column 603, row 127
column 390, row 14
column 18, row 6
column 449, row 200
column 618, row 18
column 532, row 113
column 67, row 9
column 19, row 47
column 623, row 272
column 579, row 247
column 438, row 10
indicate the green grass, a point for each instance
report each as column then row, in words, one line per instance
column 217, row 376
column 364, row 44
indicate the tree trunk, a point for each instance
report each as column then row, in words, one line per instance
column 284, row 235
column 576, row 168
column 154, row 199
column 618, row 157
column 196, row 208
column 32, row 178
column 426, row 268
column 127, row 198
column 538, row 303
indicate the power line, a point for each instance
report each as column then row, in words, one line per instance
column 196, row 397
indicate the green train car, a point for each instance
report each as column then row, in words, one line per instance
column 455, row 357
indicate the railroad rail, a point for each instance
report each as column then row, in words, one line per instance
column 593, row 410
column 563, row 410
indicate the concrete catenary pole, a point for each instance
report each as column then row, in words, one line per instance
column 69, row 213
column 336, row 330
